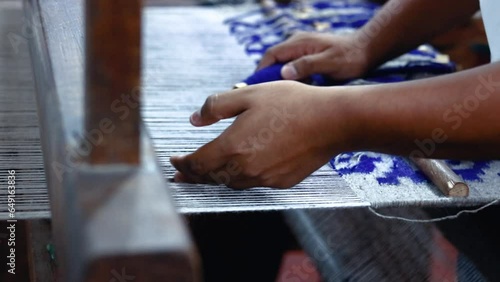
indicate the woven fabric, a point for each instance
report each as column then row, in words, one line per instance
column 20, row 148
column 393, row 181
column 257, row 32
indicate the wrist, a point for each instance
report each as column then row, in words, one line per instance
column 341, row 118
column 366, row 49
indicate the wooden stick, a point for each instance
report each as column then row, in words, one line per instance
column 443, row 177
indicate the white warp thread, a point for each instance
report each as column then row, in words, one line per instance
column 449, row 217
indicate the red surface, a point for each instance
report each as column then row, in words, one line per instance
column 296, row 266
column 444, row 260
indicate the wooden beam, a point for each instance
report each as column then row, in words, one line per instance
column 112, row 80
column 113, row 215
column 38, row 237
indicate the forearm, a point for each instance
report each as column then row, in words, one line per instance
column 451, row 116
column 402, row 25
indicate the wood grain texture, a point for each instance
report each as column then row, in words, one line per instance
column 42, row 266
column 112, row 76
column 443, row 177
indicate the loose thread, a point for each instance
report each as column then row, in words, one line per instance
column 449, row 217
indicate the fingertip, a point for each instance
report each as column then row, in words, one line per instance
column 289, row 72
column 175, row 161
column 265, row 62
column 196, row 119
column 180, row 177
column 259, row 67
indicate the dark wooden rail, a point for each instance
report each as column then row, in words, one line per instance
column 112, row 214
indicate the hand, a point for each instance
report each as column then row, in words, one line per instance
column 283, row 133
column 340, row 57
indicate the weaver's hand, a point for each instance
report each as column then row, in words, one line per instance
column 340, row 57
column 279, row 137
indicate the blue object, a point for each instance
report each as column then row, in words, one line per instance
column 396, row 73
column 273, row 73
column 270, row 73
column 257, row 32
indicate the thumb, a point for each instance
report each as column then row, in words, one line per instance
column 220, row 106
column 305, row 67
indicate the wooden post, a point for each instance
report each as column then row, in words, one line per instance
column 112, row 80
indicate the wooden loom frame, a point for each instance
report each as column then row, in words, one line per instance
column 99, row 222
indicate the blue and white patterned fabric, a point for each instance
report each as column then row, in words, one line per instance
column 257, row 32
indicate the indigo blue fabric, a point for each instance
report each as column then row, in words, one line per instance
column 257, row 33
column 271, row 73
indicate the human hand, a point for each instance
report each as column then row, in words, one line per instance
column 337, row 56
column 280, row 136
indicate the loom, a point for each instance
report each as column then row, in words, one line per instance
column 113, row 203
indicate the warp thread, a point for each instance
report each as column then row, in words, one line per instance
column 448, row 217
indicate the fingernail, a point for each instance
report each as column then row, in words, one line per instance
column 179, row 177
column 175, row 159
column 195, row 118
column 288, row 71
